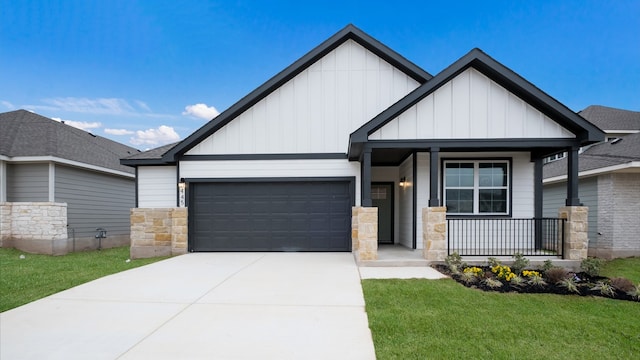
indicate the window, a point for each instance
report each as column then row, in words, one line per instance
column 476, row 187
column 555, row 157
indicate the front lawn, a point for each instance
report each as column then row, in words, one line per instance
column 441, row 319
column 36, row 276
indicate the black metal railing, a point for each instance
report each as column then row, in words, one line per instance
column 505, row 237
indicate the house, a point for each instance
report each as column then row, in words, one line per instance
column 609, row 175
column 59, row 184
column 352, row 145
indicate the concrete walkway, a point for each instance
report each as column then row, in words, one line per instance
column 202, row 306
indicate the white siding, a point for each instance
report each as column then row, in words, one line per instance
column 234, row 169
column 157, row 186
column 406, row 203
column 471, row 106
column 317, row 110
column 390, row 174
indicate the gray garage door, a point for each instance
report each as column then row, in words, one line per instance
column 270, row 216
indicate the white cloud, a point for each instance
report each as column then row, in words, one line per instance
column 118, row 131
column 111, row 106
column 201, row 111
column 160, row 136
column 82, row 125
column 7, row 104
column 143, row 105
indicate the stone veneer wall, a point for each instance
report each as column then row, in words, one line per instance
column 364, row 233
column 35, row 227
column 434, row 232
column 576, row 239
column 158, row 232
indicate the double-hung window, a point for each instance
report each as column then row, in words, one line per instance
column 477, row 187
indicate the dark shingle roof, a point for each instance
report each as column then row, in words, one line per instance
column 23, row 133
column 607, row 118
column 153, row 154
column 622, row 151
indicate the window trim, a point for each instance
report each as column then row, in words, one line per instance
column 507, row 160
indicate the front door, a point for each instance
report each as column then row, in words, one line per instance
column 382, row 198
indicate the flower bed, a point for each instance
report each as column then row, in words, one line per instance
column 548, row 279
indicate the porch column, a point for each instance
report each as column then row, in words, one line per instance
column 576, row 239
column 434, row 233
column 364, row 233
column 365, row 179
column 537, row 201
column 434, row 201
column 572, row 177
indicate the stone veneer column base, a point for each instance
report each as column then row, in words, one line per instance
column 364, row 233
column 576, row 240
column 434, row 233
column 158, row 232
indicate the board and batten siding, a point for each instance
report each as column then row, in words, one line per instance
column 95, row 200
column 157, row 187
column 471, row 106
column 290, row 169
column 316, row 110
column 27, row 182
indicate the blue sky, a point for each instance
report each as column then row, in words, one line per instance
column 146, row 73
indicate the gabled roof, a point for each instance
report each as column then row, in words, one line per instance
column 476, row 58
column 350, row 32
column 624, row 150
column 150, row 157
column 611, row 119
column 26, row 134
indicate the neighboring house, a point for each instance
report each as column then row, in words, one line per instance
column 58, row 184
column 301, row 163
column 609, row 183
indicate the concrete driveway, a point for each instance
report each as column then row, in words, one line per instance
column 202, row 306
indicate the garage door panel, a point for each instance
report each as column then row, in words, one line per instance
column 270, row 216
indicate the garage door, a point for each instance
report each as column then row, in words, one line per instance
column 270, row 216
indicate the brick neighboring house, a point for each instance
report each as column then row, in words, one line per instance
column 609, row 184
column 58, row 184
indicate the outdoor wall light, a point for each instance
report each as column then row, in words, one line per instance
column 182, row 185
column 403, row 182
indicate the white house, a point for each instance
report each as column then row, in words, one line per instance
column 353, row 124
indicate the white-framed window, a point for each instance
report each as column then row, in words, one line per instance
column 477, row 187
column 555, row 157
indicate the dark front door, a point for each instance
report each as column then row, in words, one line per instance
column 270, row 216
column 382, row 198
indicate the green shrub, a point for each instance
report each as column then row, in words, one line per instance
column 519, row 263
column 454, row 262
column 493, row 283
column 591, row 266
column 570, row 285
column 605, row 288
column 537, row 280
column 548, row 264
column 493, row 262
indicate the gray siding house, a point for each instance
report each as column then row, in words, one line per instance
column 352, row 145
column 609, row 183
column 58, row 184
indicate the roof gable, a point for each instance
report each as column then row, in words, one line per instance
column 350, row 32
column 26, row 134
column 512, row 82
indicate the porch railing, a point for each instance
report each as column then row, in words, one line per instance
column 505, row 237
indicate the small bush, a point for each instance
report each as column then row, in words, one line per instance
column 591, row 266
column 503, row 272
column 635, row 292
column 454, row 262
column 556, row 274
column 622, row 284
column 548, row 265
column 493, row 283
column 468, row 277
column 605, row 288
column 570, row 285
column 519, row 263
column 517, row 281
column 537, row 280
column 493, row 262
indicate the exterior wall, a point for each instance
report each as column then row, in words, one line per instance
column 619, row 206
column 405, row 210
column 390, row 174
column 28, row 182
column 95, row 200
column 35, row 227
column 230, row 169
column 471, row 106
column 158, row 232
column 317, row 110
column 157, row 186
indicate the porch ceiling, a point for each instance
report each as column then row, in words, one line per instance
column 388, row 157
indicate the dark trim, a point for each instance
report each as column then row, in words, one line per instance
column 305, row 156
column 414, row 225
column 365, row 179
column 143, row 162
column 136, row 191
column 465, row 144
column 393, row 209
column 347, row 33
column 178, row 191
column 461, row 159
column 572, row 177
column 433, row 177
column 585, row 131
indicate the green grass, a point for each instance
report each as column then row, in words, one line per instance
column 628, row 268
column 441, row 319
column 36, row 276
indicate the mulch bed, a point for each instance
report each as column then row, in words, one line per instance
column 583, row 281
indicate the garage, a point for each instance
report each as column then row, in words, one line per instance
column 270, row 215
